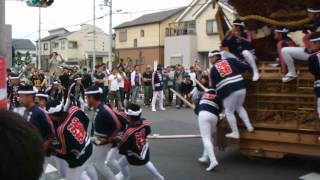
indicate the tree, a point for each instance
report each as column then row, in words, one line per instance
column 27, row 59
column 18, row 59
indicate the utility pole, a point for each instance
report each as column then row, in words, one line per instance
column 94, row 38
column 110, row 35
column 39, row 41
column 2, row 27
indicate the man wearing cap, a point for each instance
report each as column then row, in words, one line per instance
column 314, row 66
column 283, row 40
column 76, row 94
column 12, row 91
column 106, row 126
column 72, row 145
column 157, row 88
column 208, row 108
column 225, row 76
column 55, row 91
column 238, row 42
column 301, row 53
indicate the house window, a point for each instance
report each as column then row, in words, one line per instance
column 55, row 45
column 73, row 45
column 142, row 33
column 45, row 46
column 63, row 45
column 123, row 35
column 135, row 43
column 212, row 27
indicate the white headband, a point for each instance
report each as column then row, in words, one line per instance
column 79, row 78
column 207, row 90
column 313, row 10
column 213, row 54
column 99, row 91
column 284, row 30
column 239, row 24
column 133, row 113
column 42, row 95
column 27, row 92
column 315, row 40
column 34, row 91
column 56, row 82
column 14, row 78
column 57, row 109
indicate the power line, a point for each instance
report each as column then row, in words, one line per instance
column 119, row 13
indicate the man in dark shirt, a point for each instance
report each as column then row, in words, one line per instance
column 99, row 80
column 147, row 77
column 65, row 80
column 86, row 79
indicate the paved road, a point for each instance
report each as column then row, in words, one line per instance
column 177, row 159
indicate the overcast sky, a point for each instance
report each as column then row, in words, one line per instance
column 64, row 13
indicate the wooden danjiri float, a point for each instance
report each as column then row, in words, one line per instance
column 284, row 114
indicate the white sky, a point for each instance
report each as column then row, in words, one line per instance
column 64, row 13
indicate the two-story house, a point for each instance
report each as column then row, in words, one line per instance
column 76, row 47
column 141, row 41
column 192, row 35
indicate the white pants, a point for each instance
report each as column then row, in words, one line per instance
column 124, row 165
column 71, row 173
column 291, row 53
column 251, row 60
column 157, row 95
column 45, row 165
column 97, row 164
column 112, row 161
column 207, row 126
column 234, row 103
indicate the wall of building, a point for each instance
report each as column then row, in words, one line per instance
column 83, row 37
column 205, row 42
column 164, row 25
column 184, row 47
column 150, row 39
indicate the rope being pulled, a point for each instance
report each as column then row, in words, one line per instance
column 276, row 22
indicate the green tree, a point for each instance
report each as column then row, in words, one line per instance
column 18, row 59
column 27, row 59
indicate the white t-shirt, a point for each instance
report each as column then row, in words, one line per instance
column 114, row 82
column 193, row 77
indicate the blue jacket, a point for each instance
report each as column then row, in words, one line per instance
column 157, row 81
column 106, row 123
column 134, row 144
column 72, row 139
column 40, row 120
column 314, row 68
column 209, row 102
column 225, row 76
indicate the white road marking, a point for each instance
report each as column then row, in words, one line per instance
column 310, row 176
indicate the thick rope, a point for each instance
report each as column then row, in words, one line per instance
column 276, row 22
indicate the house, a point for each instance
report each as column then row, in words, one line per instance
column 192, row 35
column 141, row 41
column 75, row 48
column 23, row 46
